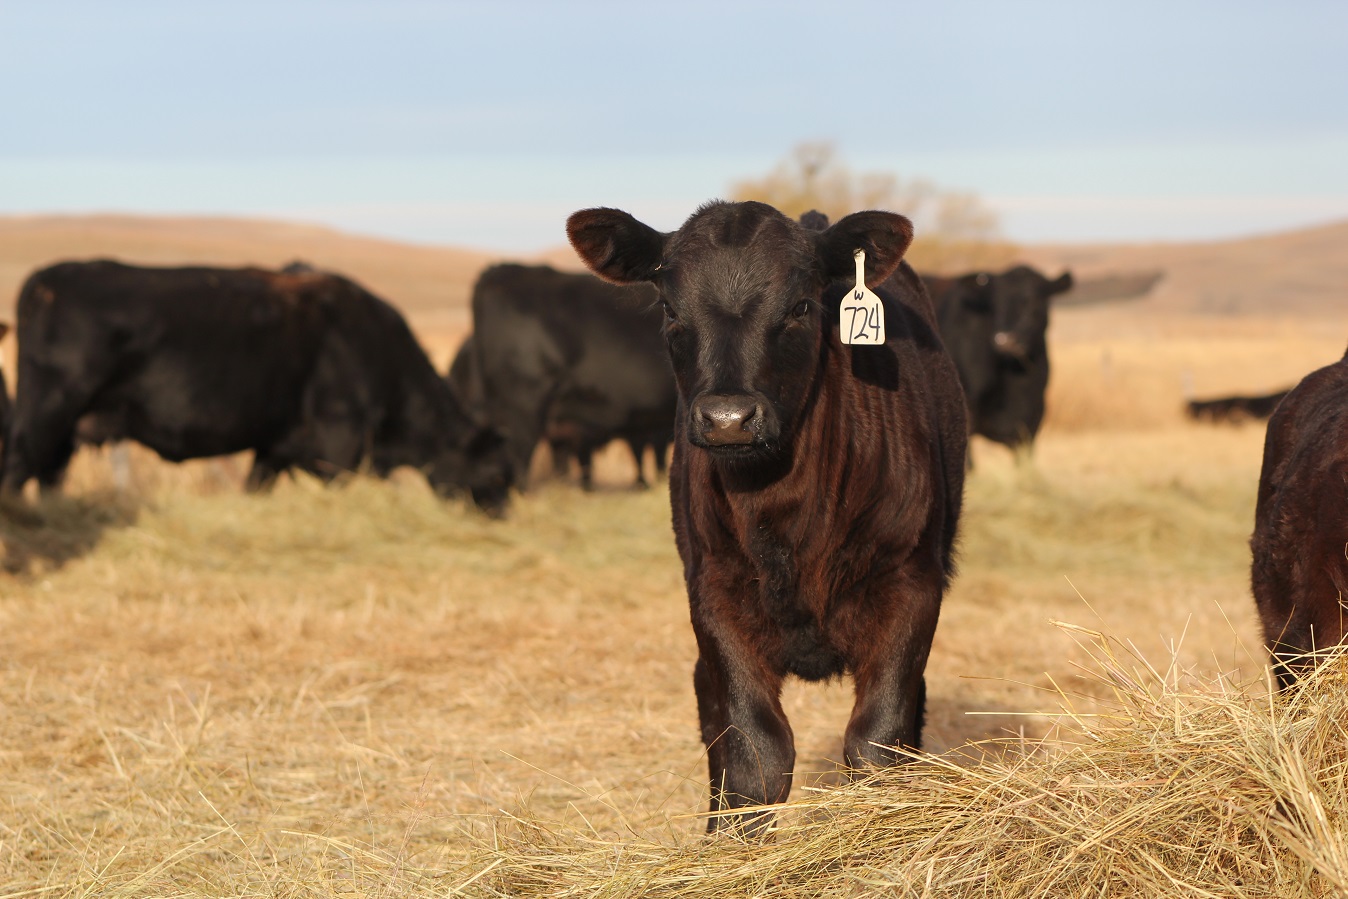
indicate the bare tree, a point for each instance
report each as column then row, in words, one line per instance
column 955, row 231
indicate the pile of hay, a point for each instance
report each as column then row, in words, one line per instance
column 1178, row 789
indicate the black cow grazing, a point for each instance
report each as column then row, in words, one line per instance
column 567, row 357
column 1299, row 571
column 994, row 326
column 308, row 370
column 566, row 439
column 815, row 486
column 1234, row 409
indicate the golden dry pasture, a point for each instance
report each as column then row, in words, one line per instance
column 363, row 691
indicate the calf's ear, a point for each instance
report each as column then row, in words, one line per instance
column 614, row 245
column 1063, row 284
column 884, row 236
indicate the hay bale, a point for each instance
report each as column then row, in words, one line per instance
column 1178, row 789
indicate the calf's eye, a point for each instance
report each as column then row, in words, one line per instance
column 669, row 310
column 801, row 309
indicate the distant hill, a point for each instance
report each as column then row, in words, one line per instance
column 1300, row 273
column 1295, row 274
column 430, row 284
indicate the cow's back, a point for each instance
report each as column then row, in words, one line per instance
column 560, row 319
column 190, row 361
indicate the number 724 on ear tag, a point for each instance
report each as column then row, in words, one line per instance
column 861, row 315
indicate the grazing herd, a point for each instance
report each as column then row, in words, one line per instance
column 815, row 482
column 307, row 370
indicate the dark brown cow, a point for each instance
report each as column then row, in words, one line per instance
column 815, row 486
column 1300, row 542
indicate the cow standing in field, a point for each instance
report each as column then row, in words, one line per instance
column 995, row 327
column 308, row 370
column 1299, row 571
column 568, row 357
column 815, row 486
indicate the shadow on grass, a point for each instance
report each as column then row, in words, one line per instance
column 45, row 535
column 960, row 735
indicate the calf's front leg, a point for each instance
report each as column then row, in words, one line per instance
column 750, row 748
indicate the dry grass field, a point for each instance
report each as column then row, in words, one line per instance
column 363, row 691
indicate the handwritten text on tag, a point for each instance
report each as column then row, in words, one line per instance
column 861, row 315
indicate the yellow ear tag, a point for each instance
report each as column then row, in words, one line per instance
column 861, row 315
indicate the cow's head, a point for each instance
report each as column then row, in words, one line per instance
column 1019, row 299
column 482, row 466
column 490, row 475
column 744, row 291
column 457, row 451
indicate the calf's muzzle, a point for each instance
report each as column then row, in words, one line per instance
column 720, row 420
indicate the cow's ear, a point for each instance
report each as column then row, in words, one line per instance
column 884, row 236
column 614, row 245
column 1062, row 285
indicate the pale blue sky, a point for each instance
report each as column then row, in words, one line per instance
column 484, row 124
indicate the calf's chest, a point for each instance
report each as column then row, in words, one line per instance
column 794, row 603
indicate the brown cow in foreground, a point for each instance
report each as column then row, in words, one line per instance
column 815, row 486
column 1300, row 541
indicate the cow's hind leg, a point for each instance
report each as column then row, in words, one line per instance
column 750, row 748
column 561, row 458
column 585, row 457
column 661, row 450
column 639, row 456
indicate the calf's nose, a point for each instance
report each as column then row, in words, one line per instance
column 726, row 420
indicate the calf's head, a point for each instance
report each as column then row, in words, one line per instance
column 749, row 296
